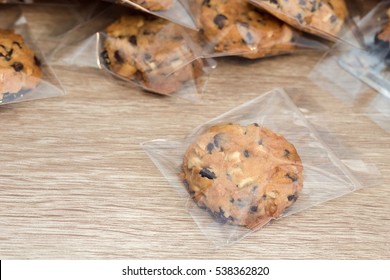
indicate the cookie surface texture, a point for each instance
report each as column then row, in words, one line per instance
column 243, row 175
column 19, row 67
column 235, row 26
column 155, row 5
column 151, row 51
column 319, row 17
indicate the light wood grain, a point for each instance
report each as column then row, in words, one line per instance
column 75, row 183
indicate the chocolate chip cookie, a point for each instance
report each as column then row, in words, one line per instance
column 236, row 27
column 320, row 17
column 243, row 175
column 152, row 52
column 155, row 5
column 19, row 67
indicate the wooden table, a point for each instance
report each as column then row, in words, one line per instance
column 75, row 182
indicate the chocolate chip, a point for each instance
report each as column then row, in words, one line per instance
column 286, row 153
column 232, row 200
column 333, row 18
column 9, row 54
column 253, row 208
column 249, row 38
column 314, row 7
column 210, row 147
column 147, row 56
column 18, row 66
column 177, row 37
column 219, row 21
column 218, row 140
column 17, row 43
column 207, row 173
column 292, row 197
column 292, row 177
column 133, row 40
column 299, row 17
column 206, row 3
column 260, row 142
column 246, row 153
column 118, row 57
column 37, row 61
column 221, row 218
column 256, row 124
column 105, row 57
column 254, row 188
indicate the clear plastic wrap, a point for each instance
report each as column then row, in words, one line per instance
column 346, row 71
column 325, row 176
column 24, row 72
column 141, row 50
column 235, row 27
column 372, row 66
column 177, row 11
column 329, row 19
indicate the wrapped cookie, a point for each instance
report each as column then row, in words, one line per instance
column 24, row 74
column 181, row 12
column 141, row 50
column 260, row 162
column 325, row 18
column 152, row 52
column 350, row 69
column 235, row 27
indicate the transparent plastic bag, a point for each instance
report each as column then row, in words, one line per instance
column 329, row 19
column 29, row 77
column 140, row 50
column 235, row 27
column 325, row 176
column 347, row 72
column 177, row 11
column 372, row 66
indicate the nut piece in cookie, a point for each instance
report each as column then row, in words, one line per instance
column 236, row 27
column 152, row 52
column 19, row 67
column 320, row 17
column 243, row 175
column 154, row 5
